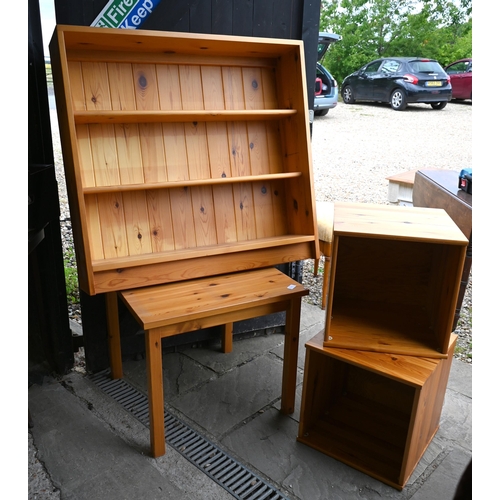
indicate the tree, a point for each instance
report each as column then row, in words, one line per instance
column 439, row 29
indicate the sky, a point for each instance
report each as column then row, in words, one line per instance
column 48, row 20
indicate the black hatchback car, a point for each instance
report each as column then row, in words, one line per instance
column 399, row 81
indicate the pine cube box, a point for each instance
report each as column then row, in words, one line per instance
column 395, row 279
column 376, row 412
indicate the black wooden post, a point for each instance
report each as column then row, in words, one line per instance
column 50, row 346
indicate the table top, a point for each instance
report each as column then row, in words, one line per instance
column 439, row 189
column 448, row 179
column 183, row 301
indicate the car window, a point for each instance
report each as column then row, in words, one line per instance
column 389, row 67
column 459, row 67
column 425, row 67
column 372, row 67
column 322, row 48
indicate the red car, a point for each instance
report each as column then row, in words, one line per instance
column 461, row 78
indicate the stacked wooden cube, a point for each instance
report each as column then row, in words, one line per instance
column 375, row 379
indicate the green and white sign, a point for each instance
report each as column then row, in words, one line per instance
column 129, row 14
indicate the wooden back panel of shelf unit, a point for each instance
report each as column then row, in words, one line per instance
column 120, row 223
column 128, row 153
column 119, row 154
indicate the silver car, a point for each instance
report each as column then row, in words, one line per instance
column 326, row 89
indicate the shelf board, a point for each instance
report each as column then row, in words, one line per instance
column 377, row 327
column 109, row 116
column 191, row 183
column 193, row 253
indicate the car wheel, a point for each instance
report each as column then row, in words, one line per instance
column 321, row 112
column 347, row 95
column 398, row 100
column 439, row 105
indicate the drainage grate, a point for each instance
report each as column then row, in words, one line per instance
column 234, row 477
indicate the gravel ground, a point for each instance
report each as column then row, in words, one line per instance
column 355, row 148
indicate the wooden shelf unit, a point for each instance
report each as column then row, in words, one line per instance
column 376, row 412
column 178, row 147
column 395, row 278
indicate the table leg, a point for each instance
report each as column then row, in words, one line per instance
column 114, row 345
column 227, row 338
column 155, row 392
column 289, row 381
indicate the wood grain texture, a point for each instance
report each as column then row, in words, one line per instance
column 405, row 223
column 376, row 412
column 184, row 146
column 193, row 299
column 393, row 284
column 155, row 393
column 113, row 227
column 153, row 110
column 181, row 307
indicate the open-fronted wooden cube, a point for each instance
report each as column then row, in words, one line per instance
column 376, row 412
column 395, row 278
column 186, row 155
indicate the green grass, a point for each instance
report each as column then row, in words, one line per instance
column 71, row 275
column 461, row 350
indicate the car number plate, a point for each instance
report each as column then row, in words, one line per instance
column 434, row 84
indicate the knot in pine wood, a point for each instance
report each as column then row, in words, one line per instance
column 143, row 81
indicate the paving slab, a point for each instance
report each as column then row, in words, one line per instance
column 181, row 374
column 243, row 351
column 270, row 441
column 234, row 397
column 70, row 439
column 93, row 449
column 461, row 378
column 441, row 484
